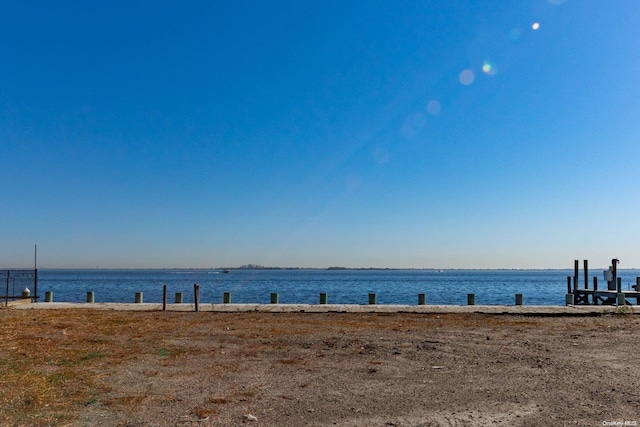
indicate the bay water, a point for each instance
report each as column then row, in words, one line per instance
column 302, row 286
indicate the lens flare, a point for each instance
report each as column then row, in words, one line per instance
column 535, row 26
column 489, row 68
column 433, row 107
column 466, row 77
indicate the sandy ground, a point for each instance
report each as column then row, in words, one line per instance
column 115, row 368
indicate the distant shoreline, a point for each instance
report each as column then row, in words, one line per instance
column 307, row 268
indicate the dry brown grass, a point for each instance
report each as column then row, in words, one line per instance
column 53, row 363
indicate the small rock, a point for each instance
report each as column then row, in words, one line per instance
column 250, row 417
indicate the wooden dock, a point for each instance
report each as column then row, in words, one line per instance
column 594, row 297
column 613, row 295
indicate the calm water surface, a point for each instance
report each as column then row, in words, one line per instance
column 491, row 287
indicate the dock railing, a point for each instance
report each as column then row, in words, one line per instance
column 18, row 284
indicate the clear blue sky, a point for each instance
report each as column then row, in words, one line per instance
column 336, row 133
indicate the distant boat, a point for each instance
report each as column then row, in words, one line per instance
column 225, row 271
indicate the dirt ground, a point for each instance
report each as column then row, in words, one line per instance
column 108, row 368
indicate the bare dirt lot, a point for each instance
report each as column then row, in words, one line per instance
column 107, row 368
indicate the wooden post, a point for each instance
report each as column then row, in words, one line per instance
column 595, row 284
column 139, row 298
column 91, row 297
column 576, row 264
column 620, row 300
column 422, row 299
column 323, row 298
column 48, row 296
column 196, row 297
column 471, row 299
column 274, row 298
column 372, row 298
column 518, row 299
column 569, row 299
column 586, row 274
column 226, row 298
column 614, row 268
column 619, row 284
column 179, row 298
column 164, row 297
column 638, row 284
column 6, row 295
column 568, row 284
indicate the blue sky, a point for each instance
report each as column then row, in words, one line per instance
column 461, row 134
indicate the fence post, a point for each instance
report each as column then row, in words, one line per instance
column 196, row 297
column 274, row 298
column 422, row 299
column 139, row 298
column 48, row 296
column 164, row 297
column 226, row 298
column 178, row 298
column 91, row 298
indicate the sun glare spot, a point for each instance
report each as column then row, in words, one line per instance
column 466, row 77
column 535, row 26
column 433, row 107
column 489, row 68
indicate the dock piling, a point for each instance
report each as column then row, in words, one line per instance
column 372, row 298
column 422, row 299
column 226, row 298
column 518, row 299
column 139, row 298
column 471, row 299
column 586, row 274
column 323, row 298
column 274, row 298
column 91, row 297
column 179, row 298
column 48, row 296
